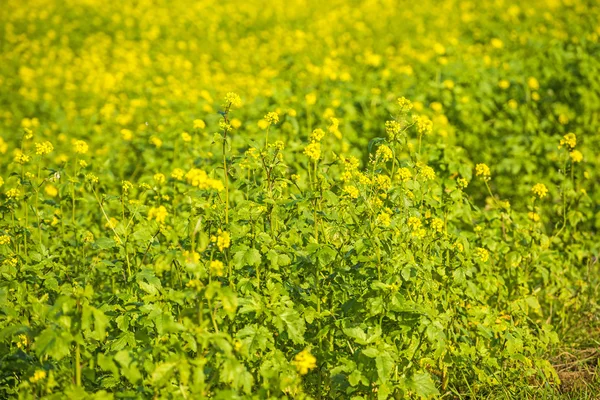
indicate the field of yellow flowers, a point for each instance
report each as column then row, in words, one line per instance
column 349, row 199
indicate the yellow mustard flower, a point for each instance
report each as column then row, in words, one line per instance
column 51, row 190
column 80, row 146
column 483, row 171
column 216, row 268
column 159, row 214
column 384, row 153
column 569, row 140
column 199, row 124
column 313, row 151
column 304, row 362
column 576, row 156
column 482, row 254
column 540, row 190
column 233, row 99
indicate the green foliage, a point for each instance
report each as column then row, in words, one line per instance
column 317, row 236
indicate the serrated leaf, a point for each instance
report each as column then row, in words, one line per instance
column 162, row 372
column 290, row 321
column 422, row 385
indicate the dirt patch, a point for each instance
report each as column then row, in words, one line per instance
column 576, row 368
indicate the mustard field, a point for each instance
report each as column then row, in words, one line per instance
column 299, row 200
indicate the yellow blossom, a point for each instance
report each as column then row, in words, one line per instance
column 3, row 146
column 497, row 43
column 384, row 218
column 191, row 257
column 23, row 341
column 156, row 142
column 569, row 140
column 11, row 261
column 383, row 182
column 448, row 84
column 404, row 104
column 43, row 148
column 216, row 268
column 533, row 83
column 404, row 174
column 313, row 151
column 111, row 223
column 232, row 99
column 540, row 190
column 4, row 239
column 51, row 190
column 334, row 128
column 159, row 178
column 392, row 128
column 413, row 223
column 20, row 157
column 436, row 106
column 271, row 117
column 535, row 217
column 304, row 361
column 38, row 376
column 159, row 214
column 424, row 124
column 126, row 134
column 194, row 283
column 576, row 156
column 384, row 153
column 437, row 225
column 178, row 174
column 311, row 99
column 91, row 178
column 199, row 178
column 13, row 193
column 483, row 171
column 426, row 172
column 126, row 186
column 199, row 124
column 223, row 240
column 482, row 254
column 317, row 135
column 80, row 146
column 236, row 123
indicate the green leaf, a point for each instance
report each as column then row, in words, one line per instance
column 290, row 320
column 255, row 338
column 356, row 377
column 361, row 337
column 53, row 343
column 107, row 364
column 162, row 372
column 246, row 256
column 384, row 363
column 422, row 385
column 105, row 243
column 235, row 374
column 370, row 352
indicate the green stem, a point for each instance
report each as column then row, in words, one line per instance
column 226, row 178
column 37, row 211
column 77, row 365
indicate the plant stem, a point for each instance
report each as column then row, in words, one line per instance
column 77, row 365
column 226, row 178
